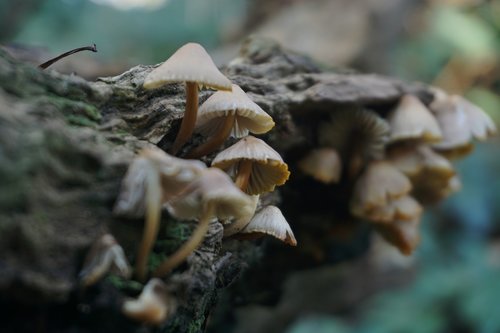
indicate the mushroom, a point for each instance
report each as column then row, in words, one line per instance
column 411, row 120
column 153, row 178
column 377, row 186
column 270, row 221
column 190, row 64
column 323, row 164
column 153, row 306
column 404, row 235
column 357, row 135
column 257, row 167
column 233, row 226
column 212, row 195
column 229, row 113
column 104, row 256
column 404, row 208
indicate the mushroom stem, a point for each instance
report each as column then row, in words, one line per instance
column 188, row 247
column 215, row 141
column 189, row 120
column 243, row 176
column 152, row 224
column 46, row 64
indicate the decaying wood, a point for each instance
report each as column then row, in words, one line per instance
column 65, row 144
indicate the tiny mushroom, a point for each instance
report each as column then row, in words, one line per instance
column 104, row 256
column 323, row 164
column 270, row 221
column 190, row 64
column 411, row 120
column 153, row 178
column 212, row 195
column 358, row 135
column 153, row 306
column 257, row 167
column 404, row 235
column 404, row 208
column 229, row 113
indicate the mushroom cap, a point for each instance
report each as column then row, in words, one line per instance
column 213, row 190
column 377, row 186
column 480, row 124
column 233, row 226
column 174, row 175
column 190, row 63
column 323, row 164
column 405, row 208
column 249, row 117
column 268, row 168
column 405, row 235
column 153, row 306
column 270, row 221
column 360, row 129
column 412, row 120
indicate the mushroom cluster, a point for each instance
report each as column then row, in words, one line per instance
column 228, row 191
column 393, row 164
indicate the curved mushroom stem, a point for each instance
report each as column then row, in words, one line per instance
column 243, row 175
column 152, row 224
column 215, row 141
column 187, row 248
column 189, row 120
column 46, row 64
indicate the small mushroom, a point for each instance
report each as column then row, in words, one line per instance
column 229, row 113
column 104, row 256
column 212, row 195
column 379, row 183
column 404, row 208
column 153, row 178
column 358, row 135
column 323, row 164
column 233, row 226
column 153, row 306
column 404, row 235
column 190, row 64
column 257, row 167
column 411, row 120
column 270, row 221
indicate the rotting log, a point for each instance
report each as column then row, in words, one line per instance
column 65, row 144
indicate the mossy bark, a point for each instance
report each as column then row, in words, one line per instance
column 65, row 144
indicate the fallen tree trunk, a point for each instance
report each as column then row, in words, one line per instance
column 65, row 144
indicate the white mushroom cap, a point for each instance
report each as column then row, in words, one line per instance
column 212, row 189
column 412, row 120
column 480, row 124
column 249, row 117
column 153, row 306
column 323, row 164
column 234, row 226
column 190, row 63
column 270, row 221
column 405, row 208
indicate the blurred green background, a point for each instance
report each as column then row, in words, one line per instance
column 454, row 44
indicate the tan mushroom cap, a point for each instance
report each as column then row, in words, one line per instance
column 190, row 63
column 347, row 126
column 268, row 168
column 323, row 164
column 213, row 188
column 377, row 186
column 270, row 221
column 153, row 306
column 405, row 208
column 405, row 235
column 480, row 124
column 412, row 120
column 233, row 226
column 249, row 117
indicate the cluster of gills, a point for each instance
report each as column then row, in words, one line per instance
column 399, row 162
column 228, row 191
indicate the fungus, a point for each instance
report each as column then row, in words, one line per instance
column 404, row 208
column 212, row 195
column 270, row 221
column 323, row 164
column 153, row 178
column 229, row 113
column 153, row 306
column 257, row 167
column 412, row 120
column 377, row 186
column 404, row 235
column 233, row 226
column 357, row 135
column 190, row 64
column 104, row 256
